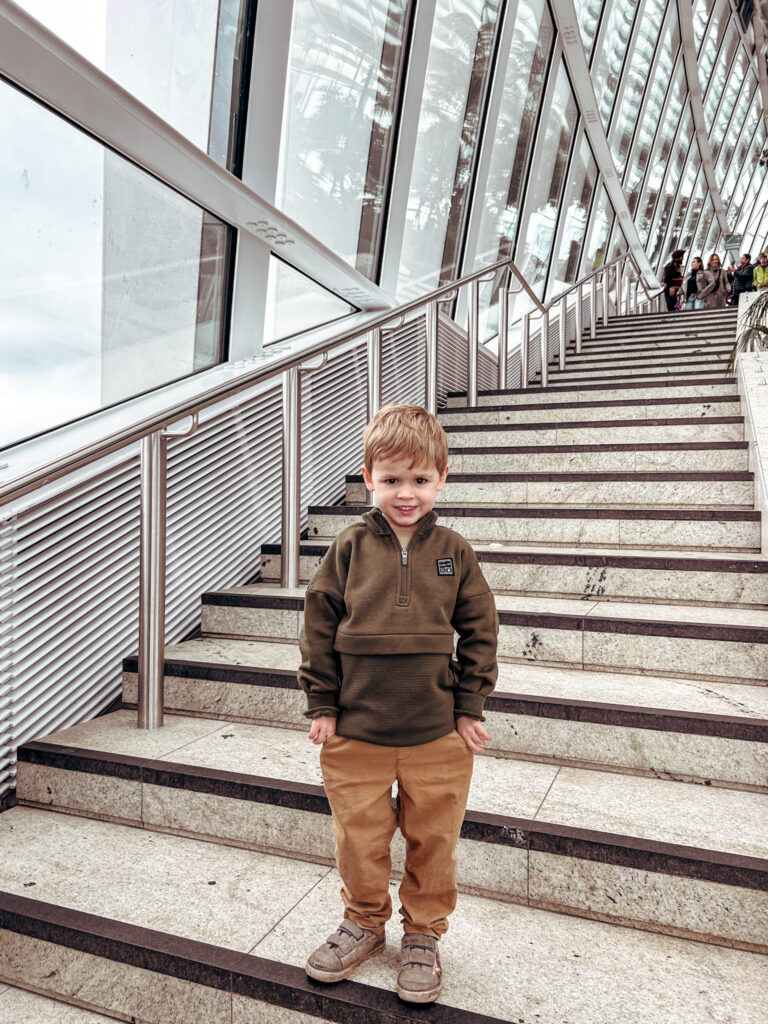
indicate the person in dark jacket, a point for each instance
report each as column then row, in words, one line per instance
column 673, row 279
column 741, row 277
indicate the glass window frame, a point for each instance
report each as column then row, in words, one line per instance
column 691, row 155
column 599, row 48
column 579, row 135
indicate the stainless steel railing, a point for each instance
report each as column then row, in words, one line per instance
column 620, row 276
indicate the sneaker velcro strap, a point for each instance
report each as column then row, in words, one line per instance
column 421, row 957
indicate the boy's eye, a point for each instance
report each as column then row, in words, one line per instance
column 421, row 481
column 390, row 480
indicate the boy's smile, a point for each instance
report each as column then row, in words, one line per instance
column 405, row 491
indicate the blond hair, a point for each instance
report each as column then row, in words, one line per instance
column 405, row 432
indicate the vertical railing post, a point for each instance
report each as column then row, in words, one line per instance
column 544, row 348
column 374, row 369
column 579, row 315
column 152, row 580
column 525, row 344
column 431, row 367
column 619, row 286
column 473, row 351
column 593, row 308
column 503, row 331
column 291, row 509
column 606, row 293
column 561, row 335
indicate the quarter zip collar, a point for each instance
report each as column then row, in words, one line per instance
column 377, row 522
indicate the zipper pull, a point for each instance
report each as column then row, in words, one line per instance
column 404, row 557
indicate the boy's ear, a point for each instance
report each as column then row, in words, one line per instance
column 368, row 479
column 441, row 481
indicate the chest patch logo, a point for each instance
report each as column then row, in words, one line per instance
column 445, row 567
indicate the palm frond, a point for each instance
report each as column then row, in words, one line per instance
column 751, row 339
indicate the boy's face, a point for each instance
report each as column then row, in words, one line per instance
column 405, row 491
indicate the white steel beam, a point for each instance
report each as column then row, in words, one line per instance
column 568, row 31
column 41, row 64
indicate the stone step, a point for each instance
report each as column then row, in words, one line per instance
column 640, row 456
column 648, row 489
column 654, row 359
column 659, row 726
column 524, row 429
column 699, row 642
column 530, row 827
column 653, row 345
column 659, row 392
column 615, row 375
column 537, row 405
column 674, row 529
column 631, row 576
column 130, row 924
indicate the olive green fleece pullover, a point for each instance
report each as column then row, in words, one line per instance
column 378, row 633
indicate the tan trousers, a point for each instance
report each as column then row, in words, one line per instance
column 433, row 785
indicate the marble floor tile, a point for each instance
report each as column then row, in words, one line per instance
column 712, row 819
column 118, row 733
column 20, row 1007
column 219, row 894
column 260, row 653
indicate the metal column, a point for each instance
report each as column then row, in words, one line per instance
column 374, row 367
column 473, row 351
column 431, row 382
column 291, row 522
column 503, row 333
column 152, row 581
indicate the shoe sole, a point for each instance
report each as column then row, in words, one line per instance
column 419, row 997
column 317, row 974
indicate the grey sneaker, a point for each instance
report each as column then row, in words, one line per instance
column 421, row 976
column 341, row 952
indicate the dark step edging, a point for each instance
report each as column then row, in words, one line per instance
column 532, row 389
column 662, row 476
column 520, row 833
column 665, row 563
column 201, row 963
column 561, row 709
column 616, row 380
column 571, row 512
column 542, row 620
column 585, row 360
column 672, row 421
column 635, row 446
column 678, row 345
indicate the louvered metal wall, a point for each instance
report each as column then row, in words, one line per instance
column 69, row 554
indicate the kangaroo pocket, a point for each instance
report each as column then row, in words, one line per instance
column 397, row 699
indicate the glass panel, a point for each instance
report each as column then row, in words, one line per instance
column 701, row 11
column 732, row 156
column 537, row 226
column 456, row 45
column 758, row 216
column 690, row 211
column 110, row 283
column 635, row 78
column 184, row 61
column 671, row 181
column 581, row 184
column 712, row 43
column 741, row 89
column 718, row 77
column 661, row 151
column 296, row 304
column 609, row 58
column 618, row 242
column 650, row 115
column 703, row 229
column 342, row 89
column 599, row 229
column 588, row 13
column 513, row 137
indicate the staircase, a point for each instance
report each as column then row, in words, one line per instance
column 190, row 872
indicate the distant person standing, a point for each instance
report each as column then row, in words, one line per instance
column 673, row 279
column 760, row 273
column 715, row 288
column 695, row 280
column 742, row 277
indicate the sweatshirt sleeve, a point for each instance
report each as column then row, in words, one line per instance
column 476, row 622
column 323, row 610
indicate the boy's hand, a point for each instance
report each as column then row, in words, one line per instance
column 322, row 728
column 472, row 732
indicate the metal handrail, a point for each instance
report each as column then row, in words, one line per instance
column 153, row 431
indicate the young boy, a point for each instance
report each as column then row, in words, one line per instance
column 388, row 703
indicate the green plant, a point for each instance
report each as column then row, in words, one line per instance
column 753, row 336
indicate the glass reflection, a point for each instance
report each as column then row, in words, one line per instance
column 736, row 102
column 337, row 137
column 545, row 185
column 459, row 41
column 732, row 155
column 184, row 61
column 689, row 207
column 575, row 211
column 671, row 180
column 712, row 43
column 701, row 11
column 514, row 131
column 588, row 14
column 660, row 154
column 635, row 78
column 609, row 58
column 717, row 79
column 599, row 230
column 111, row 284
column 296, row 304
column 703, row 228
